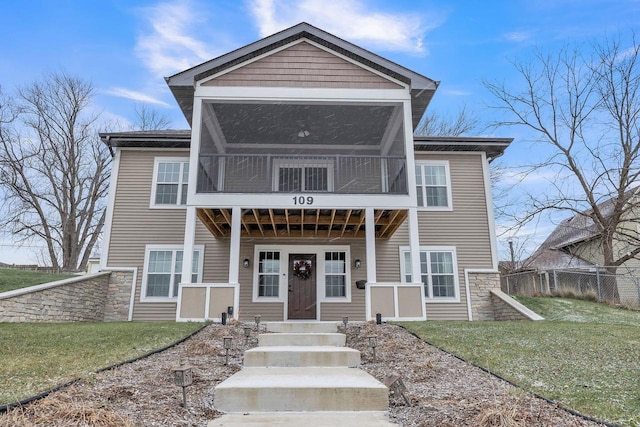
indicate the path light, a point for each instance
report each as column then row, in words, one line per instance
column 247, row 334
column 227, row 347
column 373, row 343
column 345, row 321
column 182, row 376
column 257, row 319
column 396, row 385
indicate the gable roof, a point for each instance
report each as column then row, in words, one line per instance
column 182, row 84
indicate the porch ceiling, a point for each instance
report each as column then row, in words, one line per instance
column 321, row 223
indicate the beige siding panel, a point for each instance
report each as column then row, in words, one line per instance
column 382, row 301
column 303, row 65
column 135, row 225
column 219, row 300
column 409, row 302
column 193, row 303
column 466, row 228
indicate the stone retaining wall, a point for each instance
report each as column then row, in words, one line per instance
column 71, row 300
column 504, row 311
column 95, row 297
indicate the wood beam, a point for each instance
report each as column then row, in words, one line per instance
column 346, row 222
column 392, row 216
column 255, row 215
column 333, row 216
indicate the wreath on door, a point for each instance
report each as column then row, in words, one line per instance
column 302, row 268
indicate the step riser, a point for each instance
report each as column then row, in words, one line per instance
column 290, row 358
column 302, row 327
column 300, row 399
column 294, row 339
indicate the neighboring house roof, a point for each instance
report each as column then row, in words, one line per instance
column 548, row 259
column 182, row 84
column 494, row 147
column 574, row 230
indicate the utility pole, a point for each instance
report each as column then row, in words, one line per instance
column 513, row 259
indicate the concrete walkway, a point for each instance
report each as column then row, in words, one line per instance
column 301, row 375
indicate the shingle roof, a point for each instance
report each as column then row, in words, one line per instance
column 578, row 228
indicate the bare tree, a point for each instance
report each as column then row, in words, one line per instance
column 150, row 119
column 434, row 124
column 583, row 106
column 53, row 169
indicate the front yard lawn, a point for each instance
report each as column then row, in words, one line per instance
column 11, row 279
column 38, row 356
column 591, row 365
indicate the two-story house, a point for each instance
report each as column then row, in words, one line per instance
column 301, row 192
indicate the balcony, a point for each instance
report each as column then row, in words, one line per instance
column 275, row 173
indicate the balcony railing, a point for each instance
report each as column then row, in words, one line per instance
column 342, row 174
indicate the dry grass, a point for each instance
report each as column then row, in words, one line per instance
column 66, row 410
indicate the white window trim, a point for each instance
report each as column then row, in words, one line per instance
column 293, row 163
column 154, row 183
column 319, row 269
column 147, row 251
column 456, row 273
column 444, row 163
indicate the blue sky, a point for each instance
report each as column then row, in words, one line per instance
column 126, row 48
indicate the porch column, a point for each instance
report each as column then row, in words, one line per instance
column 234, row 246
column 370, row 234
column 189, row 238
column 414, row 245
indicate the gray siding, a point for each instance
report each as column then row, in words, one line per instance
column 303, row 65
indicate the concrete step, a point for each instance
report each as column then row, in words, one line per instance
column 310, row 419
column 298, row 339
column 300, row 389
column 299, row 356
column 308, row 327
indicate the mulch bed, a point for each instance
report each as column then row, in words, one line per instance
column 443, row 390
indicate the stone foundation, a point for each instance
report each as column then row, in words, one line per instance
column 480, row 286
column 116, row 307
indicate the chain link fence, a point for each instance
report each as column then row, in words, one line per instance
column 598, row 284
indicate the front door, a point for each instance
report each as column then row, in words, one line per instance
column 302, row 286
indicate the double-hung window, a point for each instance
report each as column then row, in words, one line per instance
column 433, row 184
column 163, row 271
column 170, row 180
column 269, row 274
column 438, row 272
column 335, row 274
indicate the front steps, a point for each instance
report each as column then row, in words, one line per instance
column 303, row 375
column 299, row 356
column 302, row 339
column 308, row 419
column 301, row 389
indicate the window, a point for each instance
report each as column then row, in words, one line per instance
column 438, row 272
column 163, row 271
column 303, row 176
column 269, row 274
column 433, row 187
column 335, row 274
column 170, row 182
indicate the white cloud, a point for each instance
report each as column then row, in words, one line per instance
column 168, row 46
column 349, row 19
column 134, row 95
column 457, row 92
column 518, row 36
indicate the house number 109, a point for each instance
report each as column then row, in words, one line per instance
column 301, row 200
